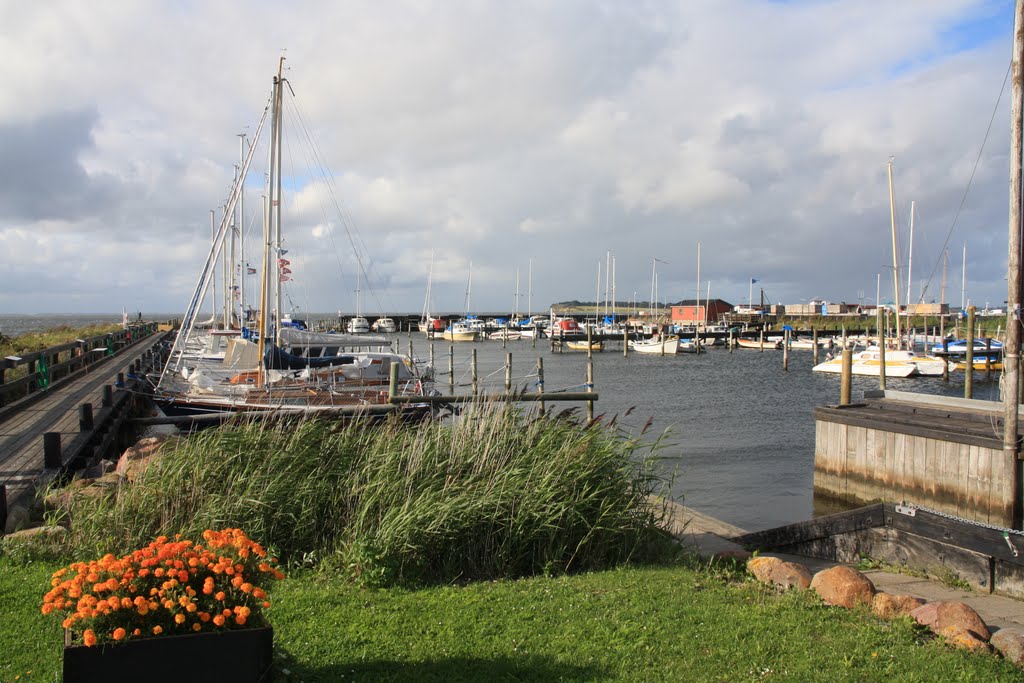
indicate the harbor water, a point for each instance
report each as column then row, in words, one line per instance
column 734, row 431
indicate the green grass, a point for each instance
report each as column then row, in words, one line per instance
column 37, row 341
column 498, row 494
column 635, row 624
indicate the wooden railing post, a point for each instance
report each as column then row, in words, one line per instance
column 85, row 419
column 52, row 458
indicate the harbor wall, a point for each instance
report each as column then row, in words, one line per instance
column 937, row 453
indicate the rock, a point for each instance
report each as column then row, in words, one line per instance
column 890, row 606
column 843, row 587
column 963, row 616
column 109, row 480
column 134, row 461
column 99, row 469
column 788, row 575
column 17, row 517
column 964, row 639
column 1010, row 644
column 927, row 614
column 761, row 567
column 52, row 532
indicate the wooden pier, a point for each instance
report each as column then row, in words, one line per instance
column 934, row 451
column 69, row 420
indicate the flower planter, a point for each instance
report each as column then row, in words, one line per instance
column 238, row 655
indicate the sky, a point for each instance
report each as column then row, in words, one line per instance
column 458, row 143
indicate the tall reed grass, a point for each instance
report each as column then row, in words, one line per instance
column 498, row 493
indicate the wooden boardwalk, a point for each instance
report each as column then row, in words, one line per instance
column 57, row 410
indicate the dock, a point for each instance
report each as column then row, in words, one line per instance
column 68, row 421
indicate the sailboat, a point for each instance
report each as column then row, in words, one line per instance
column 327, row 373
column 468, row 328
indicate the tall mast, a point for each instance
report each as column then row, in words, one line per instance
column 597, row 300
column 910, row 254
column 613, row 288
column 945, row 262
column 895, row 261
column 654, row 272
column 277, row 201
column 243, row 267
column 213, row 295
column 515, row 304
column 529, row 290
column 963, row 282
column 698, row 284
column 270, row 263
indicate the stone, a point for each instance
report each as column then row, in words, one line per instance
column 963, row 616
column 17, row 517
column 134, row 461
column 1010, row 644
column 761, row 567
column 788, row 575
column 53, row 532
column 927, row 614
column 889, row 606
column 960, row 637
column 108, row 480
column 843, row 587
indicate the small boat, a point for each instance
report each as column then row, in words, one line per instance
column 384, row 326
column 744, row 343
column 958, row 347
column 358, row 325
column 688, row 346
column 808, row 344
column 506, row 334
column 665, row 345
column 567, row 328
column 868, row 362
column 460, row 330
column 582, row 345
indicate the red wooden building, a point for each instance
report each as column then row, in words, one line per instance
column 689, row 312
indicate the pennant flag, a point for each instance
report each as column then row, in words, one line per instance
column 251, row 271
column 752, row 280
column 285, row 278
column 282, row 251
column 284, row 262
column 286, row 271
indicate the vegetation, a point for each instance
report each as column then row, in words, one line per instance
column 634, row 624
column 37, row 341
column 497, row 494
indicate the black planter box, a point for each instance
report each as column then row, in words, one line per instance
column 242, row 655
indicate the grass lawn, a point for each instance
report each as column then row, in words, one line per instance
column 636, row 624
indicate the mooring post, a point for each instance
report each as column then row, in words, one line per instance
column 846, row 379
column 590, row 342
column 844, row 337
column 120, row 380
column 625, row 342
column 508, row 372
column 760, row 339
column 52, row 459
column 785, row 351
column 431, row 355
column 590, row 389
column 540, row 384
column 393, row 382
column 732, row 342
column 108, row 395
column 410, row 347
column 504, row 337
column 969, row 358
column 451, row 370
column 945, row 348
column 814, row 344
column 988, row 355
column 85, row 421
column 473, row 369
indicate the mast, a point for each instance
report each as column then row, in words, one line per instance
column 1011, row 349
column 698, row 287
column 529, row 290
column 613, row 290
column 515, row 304
column 243, row 268
column 895, row 261
column 277, row 201
column 654, row 270
column 910, row 254
column 945, row 262
column 269, row 261
column 213, row 295
column 963, row 282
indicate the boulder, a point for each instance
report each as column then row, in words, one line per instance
column 788, row 575
column 843, row 587
column 134, row 461
column 963, row 616
column 890, row 606
column 927, row 614
column 51, row 532
column 960, row 637
column 761, row 567
column 1010, row 644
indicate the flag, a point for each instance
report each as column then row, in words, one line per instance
column 282, row 252
column 285, row 278
column 283, row 262
column 286, row 271
column 752, row 280
column 251, row 271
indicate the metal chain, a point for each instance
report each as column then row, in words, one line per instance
column 1003, row 530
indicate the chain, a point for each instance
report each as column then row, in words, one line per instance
column 938, row 513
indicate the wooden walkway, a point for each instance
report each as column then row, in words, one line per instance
column 57, row 410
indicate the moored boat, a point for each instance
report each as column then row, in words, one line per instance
column 664, row 345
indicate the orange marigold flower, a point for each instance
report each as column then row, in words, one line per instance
column 179, row 618
column 246, row 587
column 197, row 626
column 219, row 620
column 204, row 617
column 258, row 593
column 126, row 602
column 48, row 607
column 183, row 576
column 157, row 630
column 219, row 595
column 184, row 601
column 119, row 633
column 240, row 620
column 226, row 613
column 137, row 632
column 191, row 607
column 89, row 637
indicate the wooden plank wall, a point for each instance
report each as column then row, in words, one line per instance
column 860, row 465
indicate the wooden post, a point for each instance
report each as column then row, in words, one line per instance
column 120, row 380
column 846, row 379
column 969, row 358
column 590, row 343
column 760, row 338
column 85, row 421
column 732, row 342
column 845, row 344
column 785, row 351
column 814, row 343
column 431, row 355
column 52, row 458
column 451, row 370
column 473, row 370
column 590, row 389
column 625, row 342
column 410, row 347
column 508, row 372
column 393, row 381
column 108, row 395
column 988, row 356
column 945, row 347
column 1015, row 278
column 540, row 385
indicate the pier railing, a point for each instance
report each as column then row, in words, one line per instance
column 34, row 373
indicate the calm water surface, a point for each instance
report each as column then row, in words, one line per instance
column 738, row 430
